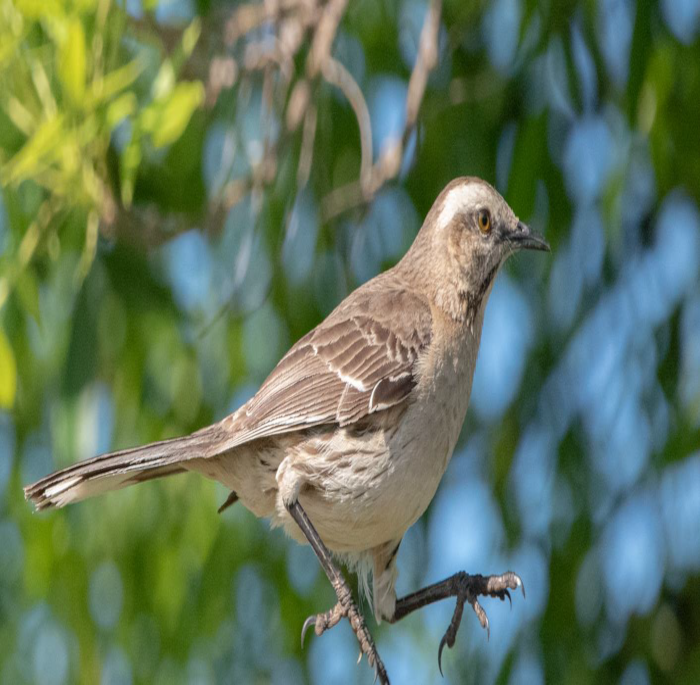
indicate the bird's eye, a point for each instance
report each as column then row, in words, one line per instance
column 484, row 221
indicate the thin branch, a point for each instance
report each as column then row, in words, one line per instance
column 336, row 74
column 307, row 147
column 249, row 17
column 223, row 72
column 324, row 36
column 426, row 61
column 273, row 58
column 388, row 165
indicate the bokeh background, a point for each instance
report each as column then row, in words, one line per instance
column 180, row 201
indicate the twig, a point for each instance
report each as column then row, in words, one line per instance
column 247, row 18
column 273, row 56
column 336, row 74
column 325, row 35
column 223, row 72
column 426, row 61
column 307, row 147
column 388, row 165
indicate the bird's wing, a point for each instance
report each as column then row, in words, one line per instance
column 360, row 360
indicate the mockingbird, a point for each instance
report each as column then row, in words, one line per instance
column 345, row 443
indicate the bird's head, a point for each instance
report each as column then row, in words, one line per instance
column 478, row 229
column 473, row 230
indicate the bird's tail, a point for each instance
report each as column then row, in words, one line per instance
column 119, row 469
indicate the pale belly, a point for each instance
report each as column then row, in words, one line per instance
column 359, row 491
column 368, row 490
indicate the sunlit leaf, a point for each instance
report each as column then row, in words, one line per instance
column 191, row 36
column 40, row 9
column 179, row 56
column 28, row 292
column 42, row 84
column 130, row 160
column 20, row 116
column 104, row 89
column 167, row 120
column 164, row 81
column 9, row 45
column 41, row 148
column 8, row 373
column 73, row 62
column 122, row 107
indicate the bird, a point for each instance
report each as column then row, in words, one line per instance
column 346, row 441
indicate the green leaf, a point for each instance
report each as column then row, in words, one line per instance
column 167, row 120
column 9, row 47
column 27, row 290
column 8, row 373
column 39, row 151
column 73, row 62
column 106, row 88
column 124, row 106
column 20, row 116
column 164, row 82
column 190, row 37
column 40, row 9
column 130, row 160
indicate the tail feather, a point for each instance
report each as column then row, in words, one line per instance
column 119, row 469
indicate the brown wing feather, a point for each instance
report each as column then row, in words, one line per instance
column 361, row 359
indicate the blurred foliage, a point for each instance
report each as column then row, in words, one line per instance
column 70, row 82
column 164, row 237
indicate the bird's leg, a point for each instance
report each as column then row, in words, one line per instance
column 466, row 588
column 346, row 607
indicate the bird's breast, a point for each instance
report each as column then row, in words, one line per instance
column 422, row 447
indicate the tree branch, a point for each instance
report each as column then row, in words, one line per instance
column 388, row 165
column 272, row 58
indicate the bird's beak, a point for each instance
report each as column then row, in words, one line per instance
column 525, row 239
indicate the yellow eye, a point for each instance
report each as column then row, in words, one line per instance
column 484, row 221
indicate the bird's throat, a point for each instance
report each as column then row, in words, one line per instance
column 472, row 300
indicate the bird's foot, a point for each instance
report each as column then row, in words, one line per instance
column 346, row 608
column 468, row 588
column 324, row 621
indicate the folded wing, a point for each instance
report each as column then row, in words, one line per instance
column 360, row 360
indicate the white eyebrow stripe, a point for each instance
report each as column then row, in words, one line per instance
column 467, row 195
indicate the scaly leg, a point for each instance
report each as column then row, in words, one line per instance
column 346, row 607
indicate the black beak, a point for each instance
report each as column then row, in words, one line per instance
column 525, row 239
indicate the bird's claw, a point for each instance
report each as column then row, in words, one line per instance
column 468, row 589
column 511, row 580
column 443, row 642
column 310, row 621
column 324, row 621
column 481, row 615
